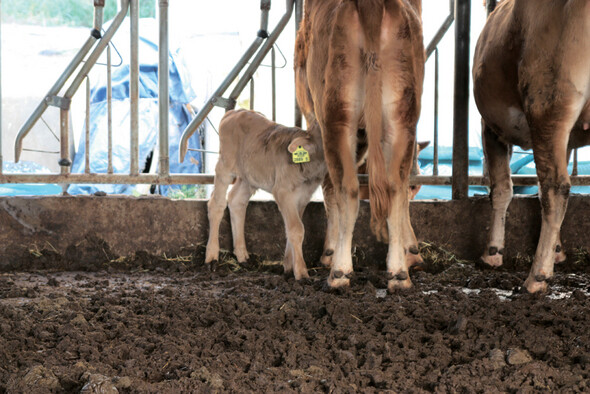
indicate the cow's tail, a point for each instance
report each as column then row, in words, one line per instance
column 371, row 16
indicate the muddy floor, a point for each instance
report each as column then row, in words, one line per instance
column 162, row 324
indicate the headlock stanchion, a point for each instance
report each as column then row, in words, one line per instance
column 261, row 46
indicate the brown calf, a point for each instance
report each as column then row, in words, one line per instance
column 531, row 77
column 258, row 153
column 360, row 65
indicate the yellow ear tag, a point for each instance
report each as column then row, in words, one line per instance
column 300, row 155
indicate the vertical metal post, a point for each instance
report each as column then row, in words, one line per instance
column 134, row 88
column 163, row 94
column 435, row 147
column 251, row 93
column 64, row 137
column 490, row 6
column 1, row 157
column 274, row 83
column 461, row 100
column 575, row 165
column 298, row 18
column 109, row 111
column 87, row 134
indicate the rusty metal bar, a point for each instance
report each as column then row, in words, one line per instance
column 134, row 88
column 435, row 144
column 87, row 130
column 64, row 140
column 163, row 94
column 461, row 100
column 109, row 111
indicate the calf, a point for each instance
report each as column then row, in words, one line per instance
column 258, row 153
column 531, row 76
column 359, row 64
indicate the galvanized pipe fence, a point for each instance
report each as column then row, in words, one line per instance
column 262, row 45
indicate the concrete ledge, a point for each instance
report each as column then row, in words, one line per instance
column 158, row 225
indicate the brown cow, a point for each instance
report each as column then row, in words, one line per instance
column 531, row 76
column 258, row 152
column 359, row 64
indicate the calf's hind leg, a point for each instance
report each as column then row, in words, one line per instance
column 238, row 202
column 215, row 209
column 290, row 210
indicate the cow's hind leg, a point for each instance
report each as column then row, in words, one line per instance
column 497, row 156
column 342, row 108
column 216, row 207
column 550, row 138
column 238, row 202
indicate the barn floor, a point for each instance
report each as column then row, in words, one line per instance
column 156, row 324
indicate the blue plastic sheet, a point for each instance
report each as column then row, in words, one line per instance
column 181, row 94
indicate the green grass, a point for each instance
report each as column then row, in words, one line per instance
column 63, row 12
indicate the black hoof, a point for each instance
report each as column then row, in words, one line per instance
column 213, row 265
column 481, row 264
column 414, row 249
column 337, row 274
column 288, row 274
column 305, row 281
column 540, row 278
column 328, row 252
column 403, row 275
column 558, row 249
column 492, row 251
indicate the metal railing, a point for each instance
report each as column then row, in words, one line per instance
column 263, row 44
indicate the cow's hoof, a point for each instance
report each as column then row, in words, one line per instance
column 326, row 258
column 536, row 284
column 419, row 266
column 339, row 279
column 491, row 261
column 399, row 284
column 288, row 273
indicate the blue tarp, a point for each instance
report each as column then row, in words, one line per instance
column 27, row 189
column 181, row 94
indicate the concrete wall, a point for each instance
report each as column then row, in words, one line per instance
column 158, row 225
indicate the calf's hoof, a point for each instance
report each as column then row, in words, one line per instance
column 339, row 279
column 536, row 284
column 242, row 256
column 301, row 275
column 560, row 255
column 414, row 259
column 326, row 258
column 212, row 265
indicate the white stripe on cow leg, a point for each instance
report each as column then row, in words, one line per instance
column 497, row 156
column 287, row 201
column 238, row 202
column 332, row 222
column 216, row 207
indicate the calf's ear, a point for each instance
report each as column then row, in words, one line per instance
column 303, row 142
column 422, row 145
